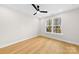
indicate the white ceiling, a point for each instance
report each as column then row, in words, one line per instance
column 51, row 8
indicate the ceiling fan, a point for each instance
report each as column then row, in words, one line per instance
column 37, row 9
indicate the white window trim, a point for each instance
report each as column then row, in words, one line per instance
column 52, row 29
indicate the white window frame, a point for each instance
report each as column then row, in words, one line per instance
column 53, row 26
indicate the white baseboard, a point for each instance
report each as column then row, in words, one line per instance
column 6, row 45
column 61, row 39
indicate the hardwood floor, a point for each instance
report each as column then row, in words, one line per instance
column 41, row 45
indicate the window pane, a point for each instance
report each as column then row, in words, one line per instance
column 56, row 29
column 57, row 21
column 49, row 22
column 49, row 29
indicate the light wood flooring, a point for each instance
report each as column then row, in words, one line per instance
column 41, row 45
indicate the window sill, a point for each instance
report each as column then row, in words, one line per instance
column 54, row 33
column 57, row 33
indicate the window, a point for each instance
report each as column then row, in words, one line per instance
column 49, row 26
column 53, row 25
column 57, row 25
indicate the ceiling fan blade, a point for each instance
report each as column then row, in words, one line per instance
column 34, row 6
column 43, row 11
column 35, row 13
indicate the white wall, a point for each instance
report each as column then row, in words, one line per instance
column 16, row 26
column 70, row 27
